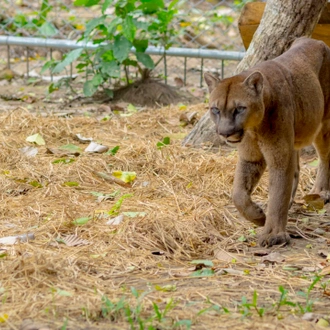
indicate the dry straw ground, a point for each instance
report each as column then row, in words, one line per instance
column 185, row 194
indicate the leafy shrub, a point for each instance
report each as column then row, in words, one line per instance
column 123, row 26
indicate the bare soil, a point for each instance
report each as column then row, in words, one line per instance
column 188, row 215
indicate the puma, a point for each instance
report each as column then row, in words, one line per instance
column 270, row 112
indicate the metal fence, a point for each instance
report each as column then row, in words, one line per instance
column 207, row 36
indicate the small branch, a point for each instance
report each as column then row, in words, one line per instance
column 112, row 179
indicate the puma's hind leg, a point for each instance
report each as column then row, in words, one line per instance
column 296, row 176
column 322, row 145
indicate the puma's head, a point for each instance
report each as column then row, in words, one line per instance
column 236, row 104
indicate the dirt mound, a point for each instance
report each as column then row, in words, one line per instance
column 149, row 92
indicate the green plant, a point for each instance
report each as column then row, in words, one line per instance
column 135, row 24
column 38, row 23
column 246, row 306
column 308, row 305
column 284, row 299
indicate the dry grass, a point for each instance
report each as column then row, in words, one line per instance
column 186, row 196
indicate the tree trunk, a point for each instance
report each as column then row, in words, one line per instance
column 282, row 22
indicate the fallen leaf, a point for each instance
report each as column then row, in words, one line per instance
column 28, row 99
column 71, row 184
column 83, row 139
column 274, row 257
column 61, row 153
column 115, row 221
column 71, row 148
column 322, row 323
column 188, row 117
column 205, row 263
column 63, row 161
column 134, row 214
column 203, row 272
column 166, row 288
column 112, row 151
column 230, row 271
column 37, row 139
column 81, row 221
column 126, row 177
column 325, row 271
column 223, row 255
column 7, row 74
column 166, row 141
column 314, row 202
column 96, row 148
column 3, row 318
column 314, row 163
column 10, row 240
column 29, row 151
column 73, row 240
column 309, row 269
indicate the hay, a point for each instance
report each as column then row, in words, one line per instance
column 185, row 194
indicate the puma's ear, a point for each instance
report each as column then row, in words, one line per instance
column 255, row 82
column 211, row 81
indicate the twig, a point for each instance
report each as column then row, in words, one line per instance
column 112, row 179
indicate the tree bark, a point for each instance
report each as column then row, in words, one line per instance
column 282, row 22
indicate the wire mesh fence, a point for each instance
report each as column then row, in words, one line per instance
column 201, row 24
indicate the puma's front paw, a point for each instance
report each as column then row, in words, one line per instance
column 269, row 239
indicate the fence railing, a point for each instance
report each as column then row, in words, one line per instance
column 207, row 35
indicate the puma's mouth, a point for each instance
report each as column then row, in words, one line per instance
column 235, row 138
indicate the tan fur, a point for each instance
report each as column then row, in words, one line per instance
column 270, row 112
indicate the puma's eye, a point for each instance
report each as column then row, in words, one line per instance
column 215, row 110
column 239, row 110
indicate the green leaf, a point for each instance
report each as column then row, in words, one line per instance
column 166, row 288
column 115, row 209
column 71, row 184
column 70, row 147
column 129, row 29
column 35, row 184
column 63, row 161
column 47, row 29
column 151, row 6
column 166, row 141
column 207, row 263
column 107, row 56
column 124, row 176
column 122, row 48
column 140, row 45
column 69, row 58
column 89, row 88
column 81, row 221
column 131, row 108
column 64, row 293
column 97, row 80
column 314, row 163
column 111, row 68
column 37, row 139
column 47, row 65
column 93, row 23
column 203, row 272
column 112, row 151
column 86, row 3
column 112, row 27
column 146, row 60
column 172, row 4
column 105, row 5
column 242, row 239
